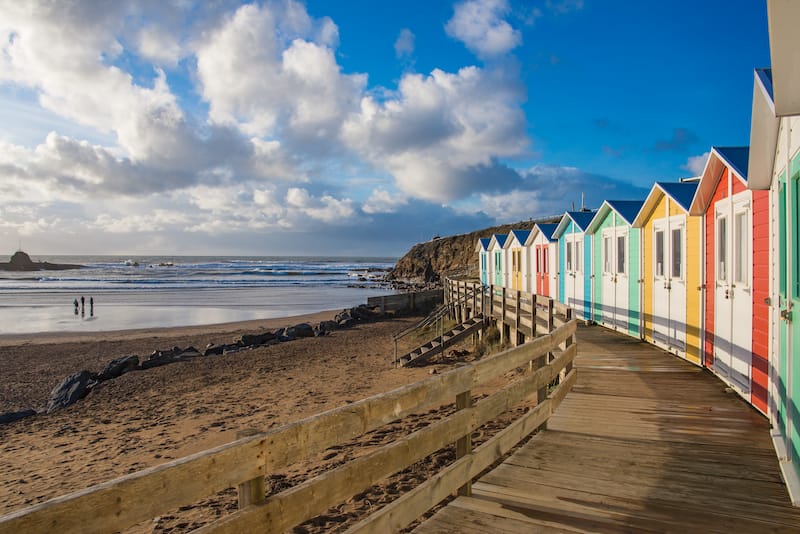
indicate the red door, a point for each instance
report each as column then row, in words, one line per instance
column 542, row 268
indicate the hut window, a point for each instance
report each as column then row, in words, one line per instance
column 742, row 249
column 621, row 254
column 606, row 254
column 578, row 256
column 545, row 266
column 722, row 248
column 659, row 239
column 677, row 253
column 569, row 257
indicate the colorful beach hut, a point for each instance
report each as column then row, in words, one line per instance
column 736, row 268
column 482, row 248
column 497, row 259
column 616, row 249
column 543, row 259
column 575, row 262
column 671, row 269
column 774, row 165
column 516, row 253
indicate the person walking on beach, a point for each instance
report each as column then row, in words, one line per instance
column 83, row 306
column 75, row 302
column 91, row 306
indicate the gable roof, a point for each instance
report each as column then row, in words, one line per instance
column 500, row 239
column 627, row 209
column 546, row 229
column 682, row 193
column 764, row 126
column 719, row 158
column 783, row 17
column 580, row 218
column 483, row 244
column 519, row 235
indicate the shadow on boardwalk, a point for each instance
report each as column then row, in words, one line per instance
column 645, row 441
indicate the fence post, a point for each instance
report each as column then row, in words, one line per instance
column 516, row 319
column 464, row 444
column 570, row 340
column 252, row 491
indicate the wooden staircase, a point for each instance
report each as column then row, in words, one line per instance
column 437, row 345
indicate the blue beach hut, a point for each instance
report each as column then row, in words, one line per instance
column 575, row 262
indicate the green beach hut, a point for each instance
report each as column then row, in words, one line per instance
column 616, row 280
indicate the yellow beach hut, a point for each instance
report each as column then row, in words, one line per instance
column 672, row 269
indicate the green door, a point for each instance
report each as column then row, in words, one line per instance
column 498, row 268
column 788, row 416
column 793, row 322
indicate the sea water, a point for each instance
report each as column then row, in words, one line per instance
column 161, row 291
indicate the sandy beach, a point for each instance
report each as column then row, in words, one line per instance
column 145, row 418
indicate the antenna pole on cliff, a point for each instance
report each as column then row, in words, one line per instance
column 573, row 206
column 583, row 204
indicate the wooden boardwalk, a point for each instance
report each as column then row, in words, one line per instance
column 644, row 442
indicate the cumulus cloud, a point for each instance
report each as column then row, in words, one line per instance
column 481, row 26
column 696, row 164
column 433, row 139
column 263, row 72
column 551, row 189
column 404, row 45
column 224, row 118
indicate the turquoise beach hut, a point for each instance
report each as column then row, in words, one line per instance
column 774, row 165
column 483, row 259
column 616, row 246
column 575, row 262
column 497, row 259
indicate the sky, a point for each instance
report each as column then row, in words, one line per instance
column 351, row 127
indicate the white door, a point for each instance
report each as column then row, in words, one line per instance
column 733, row 318
column 660, row 318
column 723, row 321
column 609, row 291
column 741, row 291
column 621, row 278
column 677, row 283
column 569, row 271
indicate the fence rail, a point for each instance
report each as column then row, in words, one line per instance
column 131, row 499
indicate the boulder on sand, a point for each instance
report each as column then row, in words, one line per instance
column 300, row 330
column 73, row 388
column 246, row 340
column 118, row 367
column 10, row 417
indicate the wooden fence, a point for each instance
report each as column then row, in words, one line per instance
column 519, row 312
column 131, row 499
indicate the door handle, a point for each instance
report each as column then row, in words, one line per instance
column 727, row 293
column 786, row 315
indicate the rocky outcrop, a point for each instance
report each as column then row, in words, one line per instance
column 20, row 261
column 429, row 262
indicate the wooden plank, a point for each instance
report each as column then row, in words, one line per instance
column 316, row 495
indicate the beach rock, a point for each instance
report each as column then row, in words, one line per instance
column 10, row 417
column 325, row 327
column 284, row 338
column 118, row 367
column 213, row 350
column 300, row 330
column 254, row 339
column 362, row 313
column 73, row 388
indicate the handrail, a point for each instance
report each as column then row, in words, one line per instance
column 133, row 498
column 435, row 315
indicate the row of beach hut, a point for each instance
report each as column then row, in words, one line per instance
column 707, row 268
